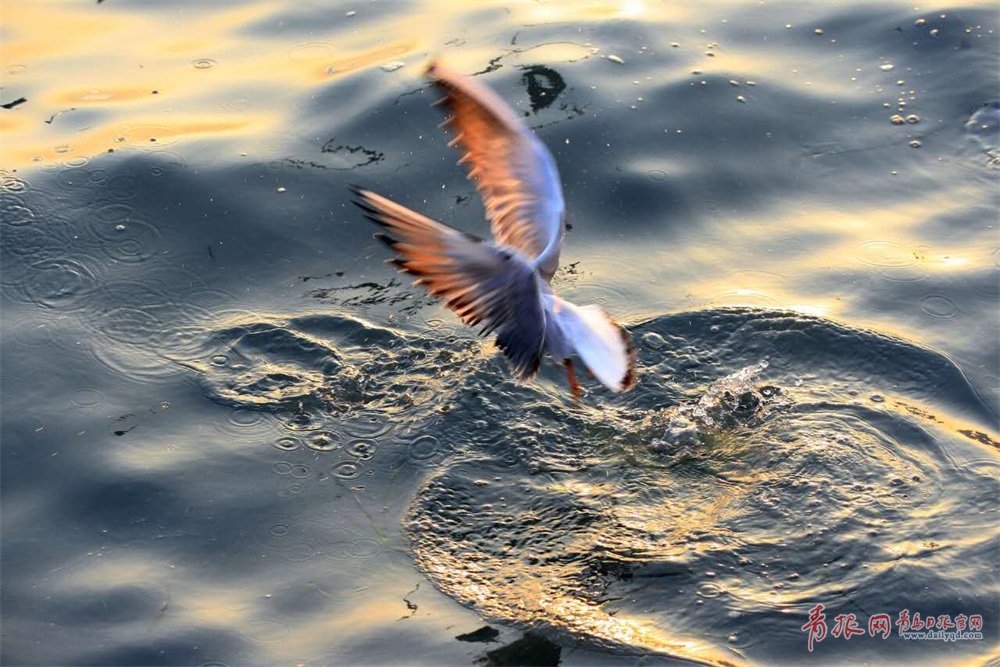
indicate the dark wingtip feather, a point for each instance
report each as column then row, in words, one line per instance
column 386, row 239
column 630, row 373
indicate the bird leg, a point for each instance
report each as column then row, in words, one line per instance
column 573, row 384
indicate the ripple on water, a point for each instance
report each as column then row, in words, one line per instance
column 885, row 254
column 15, row 212
column 61, row 284
column 731, row 499
column 984, row 128
column 88, row 398
column 26, row 241
column 345, row 470
column 363, row 450
column 122, row 187
column 324, row 441
column 939, row 306
column 288, row 443
column 426, row 449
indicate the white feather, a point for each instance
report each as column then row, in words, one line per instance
column 598, row 341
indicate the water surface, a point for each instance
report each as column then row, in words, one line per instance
column 232, row 435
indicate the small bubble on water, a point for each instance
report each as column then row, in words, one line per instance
column 913, row 119
column 920, row 22
column 818, row 31
column 392, row 66
column 616, row 59
column 887, row 67
column 351, row 13
column 203, row 63
column 281, row 190
column 915, row 144
column 896, row 119
column 877, row 398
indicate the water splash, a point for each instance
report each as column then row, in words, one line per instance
column 686, row 530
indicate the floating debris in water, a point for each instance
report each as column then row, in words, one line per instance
column 393, row 66
column 11, row 105
column 616, row 59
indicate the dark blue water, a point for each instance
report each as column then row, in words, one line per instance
column 232, row 435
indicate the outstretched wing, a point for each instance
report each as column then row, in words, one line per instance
column 515, row 173
column 485, row 285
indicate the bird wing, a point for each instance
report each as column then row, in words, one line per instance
column 483, row 284
column 515, row 173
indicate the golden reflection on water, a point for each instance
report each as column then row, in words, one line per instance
column 86, row 57
column 157, row 87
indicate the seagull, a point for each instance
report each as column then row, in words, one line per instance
column 504, row 286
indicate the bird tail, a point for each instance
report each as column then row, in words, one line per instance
column 603, row 344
